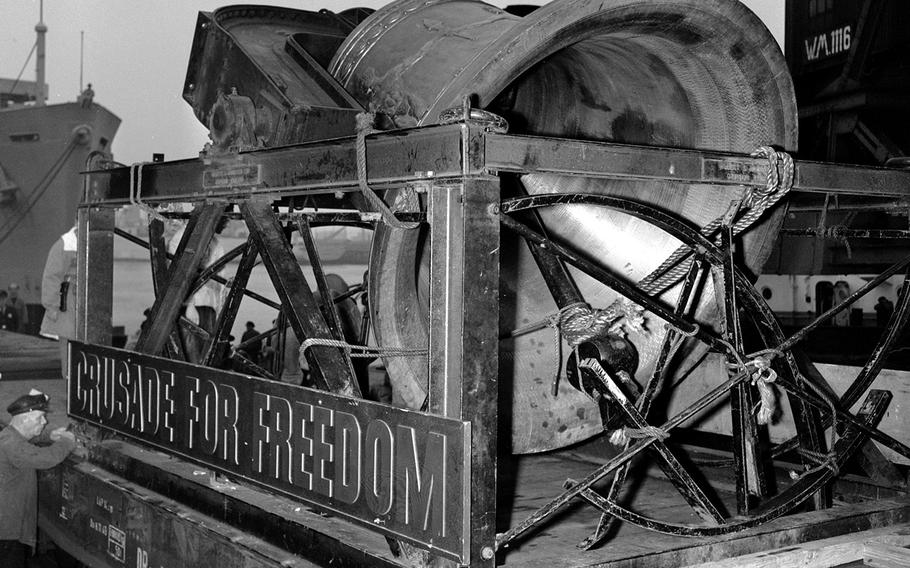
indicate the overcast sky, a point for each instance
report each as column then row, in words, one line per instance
column 136, row 53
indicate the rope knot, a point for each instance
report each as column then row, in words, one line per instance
column 762, row 378
column 365, row 121
column 622, row 436
column 780, row 170
column 763, row 371
column 579, row 322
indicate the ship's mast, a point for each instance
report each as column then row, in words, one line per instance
column 41, row 29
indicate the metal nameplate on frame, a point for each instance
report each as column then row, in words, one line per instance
column 237, row 175
column 733, row 169
column 403, row 473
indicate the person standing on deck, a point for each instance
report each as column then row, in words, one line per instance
column 58, row 292
column 253, row 349
column 9, row 318
column 19, row 462
column 87, row 96
column 16, row 303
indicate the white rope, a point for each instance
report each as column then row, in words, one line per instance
column 365, row 127
column 781, row 173
column 622, row 436
column 353, row 350
column 762, row 378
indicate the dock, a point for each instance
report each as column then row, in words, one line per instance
column 28, row 357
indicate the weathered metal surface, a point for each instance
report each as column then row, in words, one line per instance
column 463, row 347
column 623, row 71
column 646, row 398
column 671, row 466
column 400, row 472
column 748, row 460
column 509, row 153
column 870, row 414
column 105, row 521
column 158, row 257
column 251, row 81
column 414, row 155
column 95, row 275
column 318, row 170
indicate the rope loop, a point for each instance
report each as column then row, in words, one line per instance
column 365, row 127
column 762, row 376
column 820, row 459
column 781, row 173
column 136, row 191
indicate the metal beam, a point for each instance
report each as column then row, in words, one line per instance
column 464, row 349
column 525, row 154
column 95, row 275
column 329, row 366
column 317, row 169
column 325, row 172
column 190, row 255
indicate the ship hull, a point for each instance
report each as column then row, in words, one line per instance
column 43, row 149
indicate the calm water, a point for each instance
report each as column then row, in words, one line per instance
column 133, row 293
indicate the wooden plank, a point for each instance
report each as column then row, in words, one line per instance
column 879, row 545
column 881, row 555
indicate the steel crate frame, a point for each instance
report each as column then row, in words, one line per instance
column 456, row 165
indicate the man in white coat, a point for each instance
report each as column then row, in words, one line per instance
column 58, row 292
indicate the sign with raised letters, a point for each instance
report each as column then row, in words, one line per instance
column 403, row 473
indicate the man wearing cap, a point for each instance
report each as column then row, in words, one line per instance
column 19, row 462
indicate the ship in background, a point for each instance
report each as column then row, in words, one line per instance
column 43, row 149
column 848, row 60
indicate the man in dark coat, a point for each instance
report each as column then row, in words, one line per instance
column 19, row 462
column 16, row 303
column 253, row 349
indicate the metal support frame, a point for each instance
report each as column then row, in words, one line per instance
column 456, row 164
column 95, row 275
column 464, row 328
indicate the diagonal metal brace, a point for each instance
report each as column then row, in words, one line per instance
column 872, row 411
column 688, row 487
